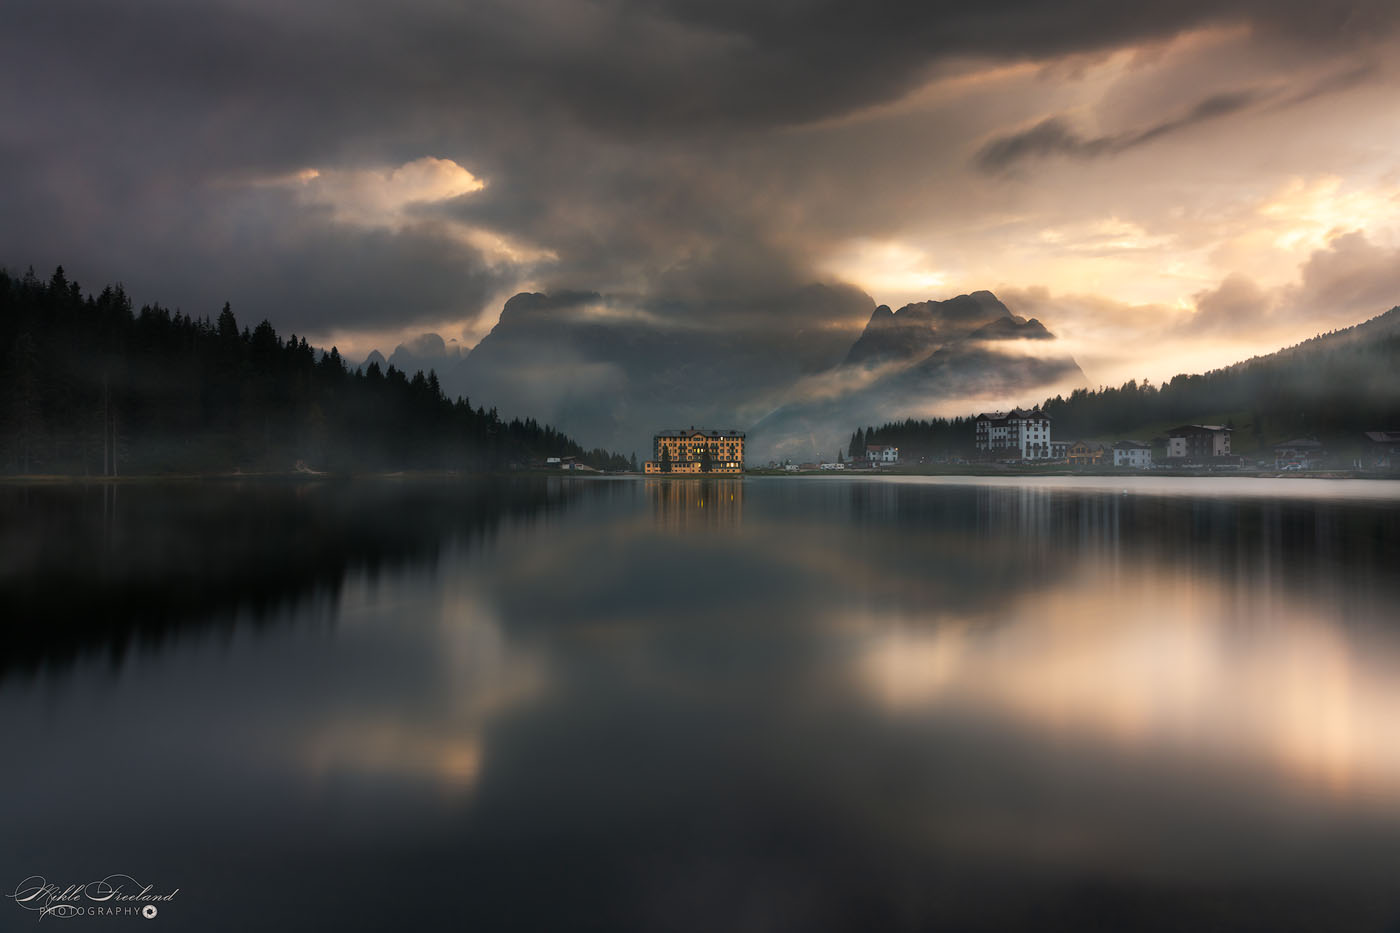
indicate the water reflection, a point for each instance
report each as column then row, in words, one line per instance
column 1245, row 634
column 1144, row 659
column 687, row 504
column 474, row 675
column 738, row 704
column 88, row 568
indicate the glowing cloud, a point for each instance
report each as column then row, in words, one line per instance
column 383, row 197
column 894, row 271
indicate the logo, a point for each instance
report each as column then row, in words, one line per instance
column 113, row 896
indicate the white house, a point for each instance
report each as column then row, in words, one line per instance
column 1014, row 435
column 833, row 466
column 880, row 454
column 1132, row 454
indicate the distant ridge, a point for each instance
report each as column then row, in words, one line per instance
column 1338, row 383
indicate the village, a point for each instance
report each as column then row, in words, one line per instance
column 1022, row 438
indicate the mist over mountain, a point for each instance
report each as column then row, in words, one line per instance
column 924, row 356
column 424, row 352
column 794, row 369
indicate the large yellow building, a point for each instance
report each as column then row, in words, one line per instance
column 697, row 450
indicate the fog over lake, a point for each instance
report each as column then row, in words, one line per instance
column 783, row 703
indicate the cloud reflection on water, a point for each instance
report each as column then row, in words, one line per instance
column 1163, row 662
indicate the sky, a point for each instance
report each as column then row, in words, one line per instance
column 1168, row 186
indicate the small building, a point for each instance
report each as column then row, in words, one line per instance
column 834, row 466
column 1014, row 435
column 881, row 454
column 790, row 467
column 1134, row 455
column 1301, row 453
column 1382, row 450
column 1083, row 453
column 1196, row 442
column 1059, row 450
column 551, row 461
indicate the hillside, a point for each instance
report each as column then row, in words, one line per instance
column 93, row 388
column 1333, row 387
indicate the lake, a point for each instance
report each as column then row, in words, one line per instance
column 679, row 704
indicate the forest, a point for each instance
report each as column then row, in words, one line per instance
column 91, row 387
column 917, row 439
column 1331, row 387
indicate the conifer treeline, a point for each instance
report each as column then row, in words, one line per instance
column 917, row 439
column 90, row 387
column 1333, row 386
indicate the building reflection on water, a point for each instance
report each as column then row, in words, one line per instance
column 689, row 504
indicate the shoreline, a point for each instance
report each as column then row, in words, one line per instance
column 65, row 479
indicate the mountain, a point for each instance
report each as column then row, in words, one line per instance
column 916, row 330
column 793, row 369
column 617, row 371
column 425, row 352
column 925, row 355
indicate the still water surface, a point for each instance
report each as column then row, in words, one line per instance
column 758, row 704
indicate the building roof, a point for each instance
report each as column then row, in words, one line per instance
column 700, row 432
column 1384, row 437
column 1013, row 413
column 1185, row 429
column 1297, row 443
column 871, row 447
column 1131, row 445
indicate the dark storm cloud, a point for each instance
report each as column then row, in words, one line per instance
column 1054, row 136
column 616, row 134
column 634, row 67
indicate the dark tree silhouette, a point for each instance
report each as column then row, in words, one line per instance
column 92, row 388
